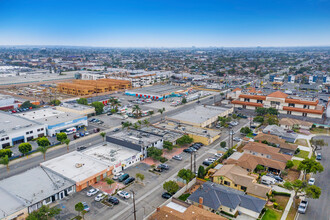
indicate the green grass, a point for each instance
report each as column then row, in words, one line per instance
column 296, row 163
column 302, row 154
column 271, row 215
column 184, row 197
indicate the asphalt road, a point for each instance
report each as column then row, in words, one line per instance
column 320, row 208
column 33, row 161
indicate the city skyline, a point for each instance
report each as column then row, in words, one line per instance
column 165, row 23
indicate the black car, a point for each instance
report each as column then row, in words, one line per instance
column 81, row 148
column 163, row 166
column 195, row 147
column 200, row 144
column 166, row 195
column 188, row 150
column 113, row 200
column 129, row 180
column 207, row 163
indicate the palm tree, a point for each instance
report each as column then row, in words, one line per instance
column 126, row 125
column 5, row 161
column 139, row 122
column 67, row 142
column 146, row 122
column 161, row 111
column 43, row 150
column 137, row 110
column 136, row 126
column 103, row 135
column 114, row 103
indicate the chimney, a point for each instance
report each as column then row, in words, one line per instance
column 268, row 132
column 200, row 201
column 158, row 209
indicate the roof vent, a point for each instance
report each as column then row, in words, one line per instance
column 78, row 165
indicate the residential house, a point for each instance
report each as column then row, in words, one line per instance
column 285, row 148
column 280, row 132
column 282, row 102
column 290, row 123
column 238, row 178
column 215, row 197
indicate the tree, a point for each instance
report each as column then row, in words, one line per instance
column 201, row 172
column 151, row 112
column 259, row 119
column 137, row 111
column 184, row 100
column 297, row 186
column 139, row 176
column 44, row 213
column 317, row 144
column 168, row 145
column 161, row 111
column 272, row 111
column 5, row 161
column 126, row 125
column 310, row 166
column 289, row 164
column 136, row 126
column 271, row 119
column 55, row 102
column 234, row 116
column 146, row 122
column 82, row 101
column 171, row 187
column 223, row 144
column 4, row 152
column 28, row 104
column 313, row 192
column 79, row 207
column 67, row 142
column 186, row 174
column 154, row 153
column 261, row 111
column 98, row 107
column 43, row 144
column 246, row 130
column 25, row 148
column 103, row 134
column 114, row 103
column 109, row 181
column 61, row 137
column 259, row 168
column 185, row 139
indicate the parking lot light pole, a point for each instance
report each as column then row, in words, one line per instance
column 134, row 211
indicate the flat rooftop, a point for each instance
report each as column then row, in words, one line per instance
column 167, row 134
column 136, row 137
column 9, row 204
column 199, row 114
column 110, row 153
column 50, row 116
column 76, row 106
column 76, row 166
column 157, row 90
column 13, row 122
column 35, row 184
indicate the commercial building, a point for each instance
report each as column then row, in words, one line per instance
column 37, row 186
column 282, row 102
column 159, row 92
column 214, row 197
column 136, row 140
column 201, row 116
column 11, row 206
column 114, row 155
column 15, row 129
column 167, row 134
column 238, row 178
column 76, row 108
column 83, row 170
column 7, row 102
column 56, row 121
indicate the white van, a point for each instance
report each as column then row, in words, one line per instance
column 267, row 180
column 125, row 117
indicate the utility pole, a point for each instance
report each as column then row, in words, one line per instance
column 195, row 162
column 134, row 211
column 191, row 159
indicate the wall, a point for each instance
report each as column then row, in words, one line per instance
column 20, row 215
column 93, row 179
column 248, row 212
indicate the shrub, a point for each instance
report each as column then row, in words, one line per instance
column 272, row 200
column 281, row 194
column 275, row 205
column 289, row 164
column 226, row 213
column 163, row 160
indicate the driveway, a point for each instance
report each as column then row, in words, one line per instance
column 319, row 208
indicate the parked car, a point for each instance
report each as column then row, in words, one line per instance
column 200, row 144
column 164, row 166
column 92, row 192
column 123, row 177
column 115, row 130
column 207, row 162
column 211, row 159
column 218, row 155
column 86, row 207
column 100, row 196
column 86, row 133
column 302, row 207
column 124, row 194
column 318, row 156
column 237, row 139
column 129, row 180
column 77, row 135
column 177, row 157
column 117, row 175
column 113, row 200
column 158, row 169
column 82, row 134
column 267, row 180
column 192, row 149
column 311, row 181
column 188, row 150
column 166, row 195
column 81, row 148
column 109, row 113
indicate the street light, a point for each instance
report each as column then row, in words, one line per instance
column 134, row 211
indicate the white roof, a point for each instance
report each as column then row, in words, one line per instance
column 76, row 166
column 9, row 204
column 176, row 207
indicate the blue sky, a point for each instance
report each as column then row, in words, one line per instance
column 165, row 23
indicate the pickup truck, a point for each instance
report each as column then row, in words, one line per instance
column 302, row 207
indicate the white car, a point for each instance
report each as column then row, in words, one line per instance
column 100, row 196
column 218, row 155
column 237, row 139
column 92, row 192
column 124, row 194
column 117, row 175
column 210, row 159
column 86, row 133
column 311, row 181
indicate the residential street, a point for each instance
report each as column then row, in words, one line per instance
column 319, row 208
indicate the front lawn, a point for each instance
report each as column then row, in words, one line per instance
column 302, row 154
column 271, row 214
column 302, row 142
column 184, row 197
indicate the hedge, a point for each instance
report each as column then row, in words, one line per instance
column 281, row 194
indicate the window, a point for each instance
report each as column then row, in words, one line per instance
column 2, row 139
column 246, row 100
column 70, row 188
column 291, row 104
column 274, row 103
column 48, row 200
column 259, row 101
column 227, row 183
column 7, row 138
column 289, row 112
column 235, row 185
column 304, row 114
column 243, row 188
column 38, row 129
